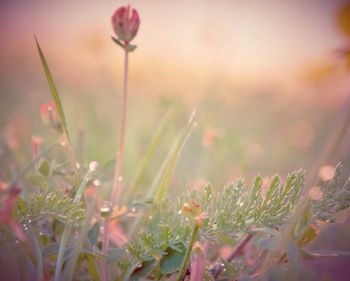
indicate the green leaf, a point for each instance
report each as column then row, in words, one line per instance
column 53, row 90
column 171, row 262
column 131, row 48
column 44, row 168
column 132, row 267
column 94, row 233
column 144, row 270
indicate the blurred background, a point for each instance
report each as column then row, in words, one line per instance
column 269, row 81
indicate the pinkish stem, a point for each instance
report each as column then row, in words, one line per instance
column 120, row 152
column 118, row 167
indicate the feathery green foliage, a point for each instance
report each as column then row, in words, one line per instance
column 49, row 205
column 336, row 197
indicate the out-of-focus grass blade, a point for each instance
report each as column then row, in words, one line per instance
column 53, row 90
column 162, row 181
column 150, row 152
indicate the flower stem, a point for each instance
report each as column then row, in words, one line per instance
column 188, row 253
column 120, row 152
column 236, row 251
column 118, row 166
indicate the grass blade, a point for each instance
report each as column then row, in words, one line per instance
column 159, row 187
column 169, row 165
column 149, row 153
column 53, row 90
column 68, row 228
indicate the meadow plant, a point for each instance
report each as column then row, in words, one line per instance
column 64, row 229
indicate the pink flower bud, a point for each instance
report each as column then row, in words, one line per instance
column 48, row 112
column 125, row 25
column 49, row 115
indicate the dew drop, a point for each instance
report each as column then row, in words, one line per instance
column 133, row 210
column 150, row 217
column 120, row 178
column 97, row 182
column 93, row 166
column 106, row 209
column 179, row 212
column 77, row 165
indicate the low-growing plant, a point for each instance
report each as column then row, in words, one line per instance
column 67, row 230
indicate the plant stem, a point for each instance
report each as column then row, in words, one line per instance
column 118, row 166
column 239, row 248
column 120, row 152
column 64, row 241
column 39, row 259
column 105, row 249
column 68, row 229
column 186, row 258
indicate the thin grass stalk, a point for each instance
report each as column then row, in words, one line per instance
column 161, row 182
column 71, row 263
column 39, row 259
column 186, row 258
column 149, row 154
column 68, row 228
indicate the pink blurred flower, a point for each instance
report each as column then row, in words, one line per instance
column 125, row 25
column 49, row 115
column 326, row 173
column 210, row 135
column 8, row 201
column 48, row 112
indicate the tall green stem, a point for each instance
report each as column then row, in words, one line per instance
column 188, row 253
